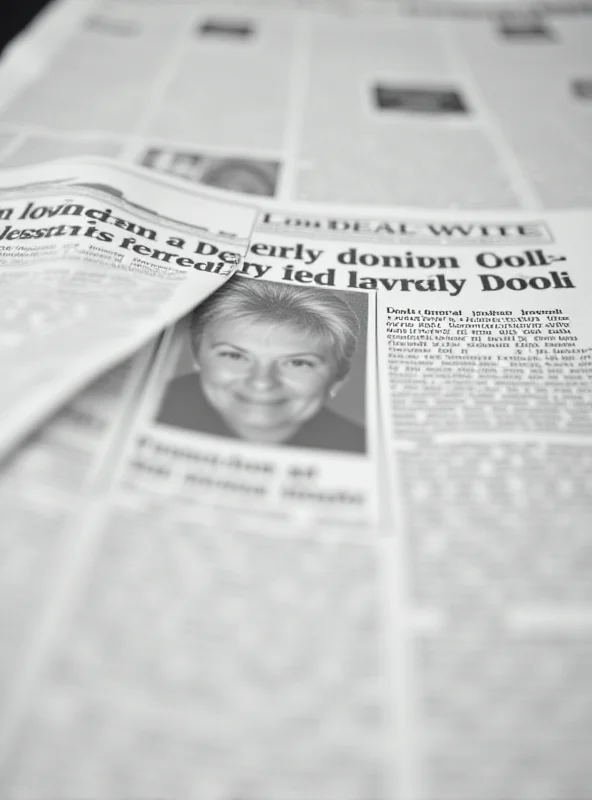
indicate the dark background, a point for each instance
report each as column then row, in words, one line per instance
column 15, row 15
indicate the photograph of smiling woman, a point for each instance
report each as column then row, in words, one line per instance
column 267, row 359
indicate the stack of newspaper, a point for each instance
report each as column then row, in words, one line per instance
column 296, row 410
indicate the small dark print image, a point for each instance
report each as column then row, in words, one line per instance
column 238, row 175
column 422, row 100
column 243, row 175
column 272, row 363
column 582, row 88
column 526, row 25
column 226, row 28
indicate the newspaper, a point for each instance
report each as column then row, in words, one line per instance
column 335, row 103
column 336, row 542
column 244, row 570
column 97, row 259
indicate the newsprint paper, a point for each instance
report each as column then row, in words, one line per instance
column 328, row 538
column 326, row 534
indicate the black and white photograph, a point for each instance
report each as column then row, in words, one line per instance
column 226, row 28
column 582, row 88
column 242, row 175
column 525, row 26
column 276, row 364
column 419, row 99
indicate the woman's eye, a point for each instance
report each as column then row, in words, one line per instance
column 301, row 363
column 231, row 355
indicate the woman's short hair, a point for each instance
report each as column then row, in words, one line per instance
column 315, row 311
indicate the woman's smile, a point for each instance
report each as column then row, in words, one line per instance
column 263, row 401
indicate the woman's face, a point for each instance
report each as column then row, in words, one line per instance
column 265, row 381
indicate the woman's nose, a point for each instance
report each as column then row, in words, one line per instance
column 262, row 376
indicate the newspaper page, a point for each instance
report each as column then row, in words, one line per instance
column 351, row 104
column 96, row 260
column 250, row 648
column 326, row 104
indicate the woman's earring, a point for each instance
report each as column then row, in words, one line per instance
column 333, row 392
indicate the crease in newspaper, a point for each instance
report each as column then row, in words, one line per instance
column 299, row 84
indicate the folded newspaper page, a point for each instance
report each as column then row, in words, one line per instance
column 330, row 539
column 96, row 259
